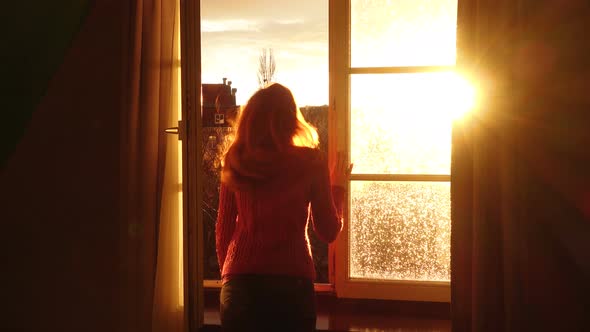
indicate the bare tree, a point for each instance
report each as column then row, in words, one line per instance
column 266, row 67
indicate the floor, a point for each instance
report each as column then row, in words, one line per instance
column 360, row 315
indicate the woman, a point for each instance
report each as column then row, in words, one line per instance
column 273, row 180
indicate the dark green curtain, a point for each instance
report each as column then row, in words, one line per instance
column 520, row 169
column 35, row 37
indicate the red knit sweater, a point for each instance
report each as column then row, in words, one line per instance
column 263, row 230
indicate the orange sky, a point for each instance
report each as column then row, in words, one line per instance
column 235, row 31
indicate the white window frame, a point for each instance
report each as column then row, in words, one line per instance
column 339, row 140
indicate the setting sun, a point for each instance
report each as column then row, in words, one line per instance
column 461, row 96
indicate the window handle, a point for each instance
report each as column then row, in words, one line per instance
column 171, row 130
column 179, row 130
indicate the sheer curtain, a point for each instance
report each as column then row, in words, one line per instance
column 168, row 305
column 150, row 183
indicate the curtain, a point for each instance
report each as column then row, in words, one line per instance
column 520, row 184
column 168, row 304
column 150, row 182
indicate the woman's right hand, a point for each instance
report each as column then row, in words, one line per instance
column 340, row 170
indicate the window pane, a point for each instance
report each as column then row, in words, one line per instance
column 401, row 123
column 394, row 33
column 400, row 231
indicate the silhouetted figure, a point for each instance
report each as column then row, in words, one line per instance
column 273, row 180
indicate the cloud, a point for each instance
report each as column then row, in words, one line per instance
column 290, row 21
column 265, row 9
column 269, row 33
column 228, row 25
column 264, row 23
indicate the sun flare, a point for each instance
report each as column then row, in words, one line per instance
column 461, row 96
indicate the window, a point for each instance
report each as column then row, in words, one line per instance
column 395, row 95
column 387, row 72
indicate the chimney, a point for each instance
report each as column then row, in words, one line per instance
column 224, row 80
column 233, row 91
column 229, row 83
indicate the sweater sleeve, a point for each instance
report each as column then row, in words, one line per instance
column 326, row 205
column 226, row 223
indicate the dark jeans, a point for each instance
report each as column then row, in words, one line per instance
column 267, row 303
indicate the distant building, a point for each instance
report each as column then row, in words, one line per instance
column 219, row 104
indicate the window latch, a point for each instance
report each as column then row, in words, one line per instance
column 177, row 130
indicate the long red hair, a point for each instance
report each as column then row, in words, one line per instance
column 269, row 126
